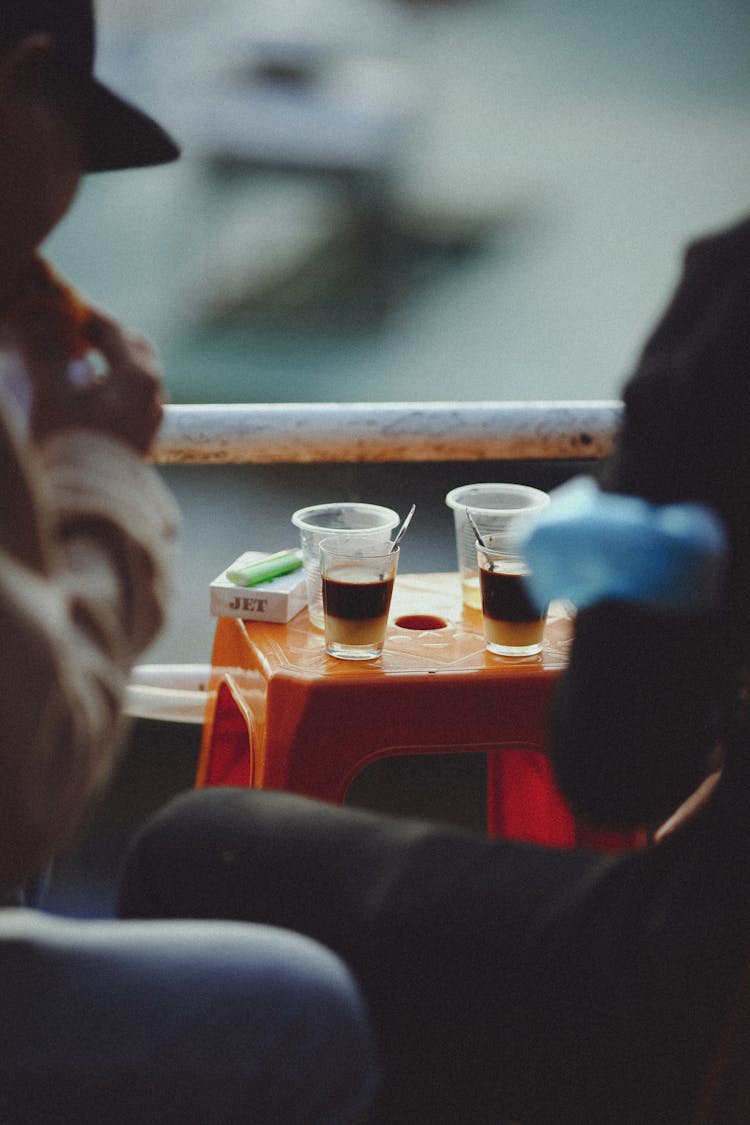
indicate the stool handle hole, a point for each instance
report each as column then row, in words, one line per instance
column 420, row 622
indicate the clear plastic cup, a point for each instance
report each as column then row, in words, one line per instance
column 493, row 507
column 318, row 521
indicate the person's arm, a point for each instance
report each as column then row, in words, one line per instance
column 86, row 542
column 640, row 706
column 633, row 723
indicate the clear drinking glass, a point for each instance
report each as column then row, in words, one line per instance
column 357, row 574
column 513, row 625
column 318, row 521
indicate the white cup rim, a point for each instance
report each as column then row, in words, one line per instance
column 358, row 556
column 538, row 497
column 301, row 519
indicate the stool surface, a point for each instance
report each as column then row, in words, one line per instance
column 297, row 648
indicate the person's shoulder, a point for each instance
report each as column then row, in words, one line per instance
column 721, row 246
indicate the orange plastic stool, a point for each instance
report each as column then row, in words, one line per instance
column 287, row 716
column 525, row 804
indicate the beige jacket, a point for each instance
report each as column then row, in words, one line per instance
column 86, row 538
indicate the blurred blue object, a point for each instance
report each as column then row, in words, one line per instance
column 589, row 546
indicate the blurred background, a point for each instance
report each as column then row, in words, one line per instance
column 385, row 200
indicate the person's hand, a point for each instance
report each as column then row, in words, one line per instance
column 688, row 808
column 117, row 389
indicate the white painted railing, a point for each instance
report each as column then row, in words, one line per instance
column 268, row 433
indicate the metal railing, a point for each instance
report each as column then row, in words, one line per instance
column 386, row 431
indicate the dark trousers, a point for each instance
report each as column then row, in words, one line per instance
column 504, row 981
column 176, row 1023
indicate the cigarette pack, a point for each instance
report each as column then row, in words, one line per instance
column 280, row 599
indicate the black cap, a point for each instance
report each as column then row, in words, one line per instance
column 118, row 135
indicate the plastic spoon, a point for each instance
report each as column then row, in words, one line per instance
column 402, row 529
column 475, row 529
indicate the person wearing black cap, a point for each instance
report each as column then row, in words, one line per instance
column 544, row 987
column 116, row 134
column 110, row 1021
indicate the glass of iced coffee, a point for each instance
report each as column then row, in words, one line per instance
column 358, row 573
column 513, row 625
column 321, row 520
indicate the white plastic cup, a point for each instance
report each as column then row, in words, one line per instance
column 494, row 508
column 318, row 521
